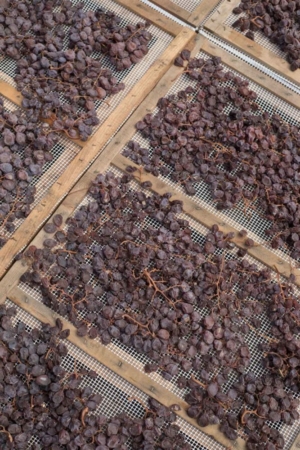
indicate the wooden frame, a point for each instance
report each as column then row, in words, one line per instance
column 90, row 149
column 266, row 57
column 195, row 17
column 111, row 155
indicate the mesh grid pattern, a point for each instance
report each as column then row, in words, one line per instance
column 118, row 395
column 138, row 360
column 242, row 55
column 166, row 13
column 159, row 42
column 63, row 153
column 254, row 223
column 260, row 38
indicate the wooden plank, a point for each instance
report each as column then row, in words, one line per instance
column 253, row 74
column 152, row 15
column 296, row 443
column 274, row 62
column 202, row 11
column 118, row 365
column 80, row 163
column 172, row 8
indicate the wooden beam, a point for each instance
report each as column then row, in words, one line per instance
column 154, row 16
column 118, row 365
column 296, row 443
column 80, row 163
column 267, row 57
column 171, row 7
column 202, row 11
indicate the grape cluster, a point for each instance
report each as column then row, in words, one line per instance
column 260, row 402
column 213, row 131
column 278, row 20
column 58, row 74
column 40, row 399
column 24, row 149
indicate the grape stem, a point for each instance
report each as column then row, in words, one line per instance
column 204, row 386
column 3, row 430
column 83, row 414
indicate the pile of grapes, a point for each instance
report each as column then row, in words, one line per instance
column 54, row 44
column 128, row 269
column 214, row 131
column 40, row 400
column 277, row 20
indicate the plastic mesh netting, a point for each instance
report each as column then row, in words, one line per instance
column 139, row 360
column 159, row 42
column 252, row 221
column 118, row 395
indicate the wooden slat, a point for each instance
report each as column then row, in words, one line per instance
column 296, row 443
column 118, row 365
column 274, row 62
column 171, row 7
column 62, row 186
column 202, row 11
column 152, row 15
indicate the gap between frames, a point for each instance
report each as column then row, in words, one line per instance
column 216, row 25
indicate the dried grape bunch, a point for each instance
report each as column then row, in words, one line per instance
column 277, row 20
column 24, row 149
column 72, row 75
column 261, row 400
column 157, row 290
column 102, row 32
column 214, row 133
column 40, row 399
column 283, row 358
column 58, row 72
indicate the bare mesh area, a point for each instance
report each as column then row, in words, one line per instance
column 118, row 395
column 63, row 153
column 138, row 360
column 159, row 42
column 252, row 220
column 188, row 5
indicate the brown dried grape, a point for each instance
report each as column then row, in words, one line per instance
column 278, row 21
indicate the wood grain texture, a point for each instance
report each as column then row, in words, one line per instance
column 171, row 7
column 202, row 11
column 80, row 163
column 155, row 17
column 265, row 56
column 296, row 443
column 118, row 365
